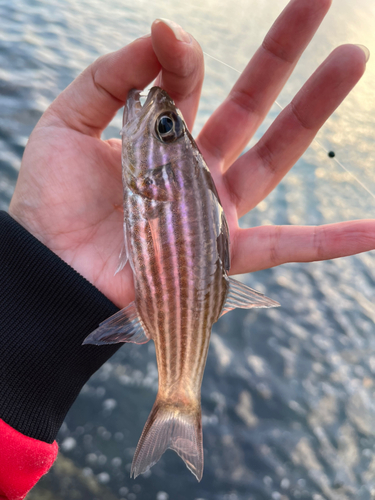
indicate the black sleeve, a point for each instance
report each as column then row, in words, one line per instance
column 46, row 311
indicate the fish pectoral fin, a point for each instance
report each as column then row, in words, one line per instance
column 124, row 326
column 175, row 427
column 123, row 259
column 244, row 297
column 124, row 253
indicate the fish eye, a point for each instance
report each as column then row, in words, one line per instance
column 165, row 125
column 169, row 127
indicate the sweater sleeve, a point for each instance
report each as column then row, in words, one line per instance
column 46, row 311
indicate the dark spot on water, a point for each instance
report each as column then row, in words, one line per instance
column 331, row 154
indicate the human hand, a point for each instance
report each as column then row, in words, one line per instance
column 244, row 182
column 69, row 191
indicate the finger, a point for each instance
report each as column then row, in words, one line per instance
column 182, row 63
column 294, row 129
column 92, row 100
column 232, row 125
column 268, row 246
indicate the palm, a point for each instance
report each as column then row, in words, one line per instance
column 80, row 217
column 69, row 194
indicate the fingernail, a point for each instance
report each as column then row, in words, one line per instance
column 365, row 50
column 179, row 33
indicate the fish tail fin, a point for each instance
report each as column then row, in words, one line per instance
column 174, row 426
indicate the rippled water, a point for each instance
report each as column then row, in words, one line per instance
column 288, row 394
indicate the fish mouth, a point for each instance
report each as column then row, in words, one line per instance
column 134, row 109
column 133, row 106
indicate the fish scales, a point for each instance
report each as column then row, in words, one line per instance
column 182, row 226
column 168, row 273
column 177, row 243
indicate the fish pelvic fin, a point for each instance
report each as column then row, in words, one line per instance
column 242, row 296
column 174, row 426
column 124, row 326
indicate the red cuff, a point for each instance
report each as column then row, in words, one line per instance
column 23, row 461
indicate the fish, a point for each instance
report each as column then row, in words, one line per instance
column 177, row 242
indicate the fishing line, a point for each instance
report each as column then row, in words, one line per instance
column 314, row 140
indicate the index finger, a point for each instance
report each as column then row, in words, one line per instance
column 182, row 74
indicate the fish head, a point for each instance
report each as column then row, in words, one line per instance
column 154, row 141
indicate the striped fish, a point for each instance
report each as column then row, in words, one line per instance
column 177, row 243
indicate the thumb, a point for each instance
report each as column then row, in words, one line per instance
column 90, row 102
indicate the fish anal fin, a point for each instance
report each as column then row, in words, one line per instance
column 124, row 326
column 170, row 426
column 244, row 297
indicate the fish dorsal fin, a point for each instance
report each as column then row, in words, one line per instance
column 124, row 326
column 244, row 297
column 223, row 243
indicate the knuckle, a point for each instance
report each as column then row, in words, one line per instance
column 243, row 100
column 276, row 49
